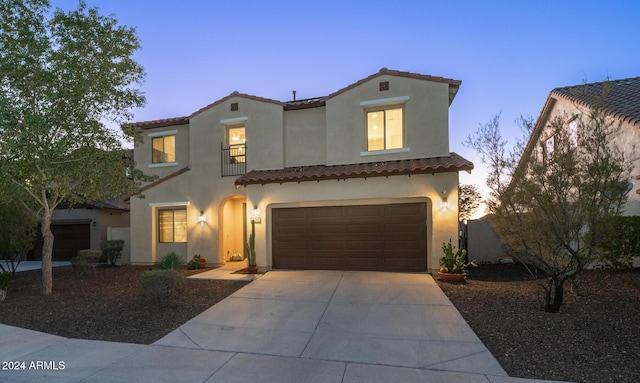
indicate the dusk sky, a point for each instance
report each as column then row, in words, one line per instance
column 508, row 54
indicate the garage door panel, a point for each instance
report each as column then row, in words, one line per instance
column 326, row 245
column 325, row 212
column 361, row 237
column 363, row 211
column 292, row 230
column 364, row 245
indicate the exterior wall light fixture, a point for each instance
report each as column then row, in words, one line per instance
column 201, row 217
column 255, row 215
column 445, row 203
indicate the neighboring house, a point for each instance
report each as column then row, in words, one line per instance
column 618, row 99
column 361, row 179
column 84, row 226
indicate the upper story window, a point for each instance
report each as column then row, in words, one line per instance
column 172, row 224
column 385, row 129
column 164, row 149
column 237, row 144
column 549, row 149
column 573, row 133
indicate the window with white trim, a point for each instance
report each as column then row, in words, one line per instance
column 164, row 149
column 549, row 149
column 237, row 144
column 573, row 133
column 385, row 128
column 172, row 225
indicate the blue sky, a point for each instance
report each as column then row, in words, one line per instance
column 509, row 54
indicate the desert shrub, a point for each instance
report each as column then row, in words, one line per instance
column 92, row 256
column 112, row 250
column 197, row 262
column 171, row 261
column 5, row 279
column 86, row 260
column 82, row 265
column 160, row 286
column 621, row 243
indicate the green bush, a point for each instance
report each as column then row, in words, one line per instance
column 92, row 256
column 5, row 279
column 112, row 250
column 621, row 242
column 170, row 261
column 86, row 260
column 160, row 286
column 197, row 262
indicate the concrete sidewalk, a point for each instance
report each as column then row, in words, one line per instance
column 33, row 265
column 287, row 326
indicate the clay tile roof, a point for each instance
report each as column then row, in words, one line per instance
column 453, row 163
column 237, row 94
column 306, row 103
column 454, row 85
column 165, row 178
column 160, row 123
column 618, row 98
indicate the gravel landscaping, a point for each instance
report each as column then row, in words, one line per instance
column 594, row 338
column 106, row 304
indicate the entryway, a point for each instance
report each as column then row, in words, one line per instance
column 232, row 228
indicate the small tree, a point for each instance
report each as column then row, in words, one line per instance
column 468, row 200
column 62, row 75
column 17, row 231
column 550, row 204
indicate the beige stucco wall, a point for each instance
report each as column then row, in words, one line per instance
column 305, row 137
column 442, row 223
column 335, row 134
column 143, row 151
column 627, row 140
column 263, row 122
column 426, row 120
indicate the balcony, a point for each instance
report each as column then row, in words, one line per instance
column 233, row 160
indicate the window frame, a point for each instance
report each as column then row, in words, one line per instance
column 237, row 152
column 549, row 148
column 384, row 109
column 173, row 210
column 163, row 135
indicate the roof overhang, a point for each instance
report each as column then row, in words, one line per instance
column 452, row 163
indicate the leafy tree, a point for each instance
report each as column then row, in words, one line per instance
column 63, row 76
column 551, row 203
column 17, row 231
column 469, row 199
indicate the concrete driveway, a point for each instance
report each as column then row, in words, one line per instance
column 289, row 326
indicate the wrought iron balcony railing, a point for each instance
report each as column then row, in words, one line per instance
column 234, row 159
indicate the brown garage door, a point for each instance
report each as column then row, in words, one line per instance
column 68, row 239
column 363, row 237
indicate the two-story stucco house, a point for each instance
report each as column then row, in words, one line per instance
column 618, row 100
column 361, row 179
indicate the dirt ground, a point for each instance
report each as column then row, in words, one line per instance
column 594, row 338
column 106, row 304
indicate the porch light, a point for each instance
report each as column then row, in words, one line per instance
column 445, row 203
column 201, row 217
column 255, row 215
